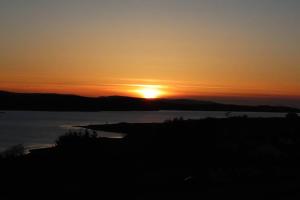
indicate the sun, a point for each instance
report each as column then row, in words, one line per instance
column 149, row 92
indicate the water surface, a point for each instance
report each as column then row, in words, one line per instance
column 38, row 129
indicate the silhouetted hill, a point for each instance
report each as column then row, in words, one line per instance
column 59, row 102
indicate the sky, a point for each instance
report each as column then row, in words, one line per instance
column 226, row 50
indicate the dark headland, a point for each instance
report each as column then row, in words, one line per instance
column 59, row 102
column 236, row 158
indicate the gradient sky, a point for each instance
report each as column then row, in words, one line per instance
column 191, row 48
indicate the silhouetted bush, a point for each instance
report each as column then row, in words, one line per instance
column 292, row 116
column 175, row 120
column 14, row 151
column 73, row 138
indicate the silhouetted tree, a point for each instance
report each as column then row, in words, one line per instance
column 14, row 151
column 292, row 116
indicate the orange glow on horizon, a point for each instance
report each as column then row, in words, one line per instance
column 150, row 91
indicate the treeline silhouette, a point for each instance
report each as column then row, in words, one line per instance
column 237, row 157
column 58, row 102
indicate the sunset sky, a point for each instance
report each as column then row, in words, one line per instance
column 224, row 49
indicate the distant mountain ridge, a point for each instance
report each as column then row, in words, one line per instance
column 67, row 102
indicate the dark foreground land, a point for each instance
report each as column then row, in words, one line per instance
column 236, row 158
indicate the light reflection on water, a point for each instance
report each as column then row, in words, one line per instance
column 41, row 129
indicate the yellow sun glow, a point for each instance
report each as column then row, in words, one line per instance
column 149, row 92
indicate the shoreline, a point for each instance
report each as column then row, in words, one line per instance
column 124, row 127
column 160, row 110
